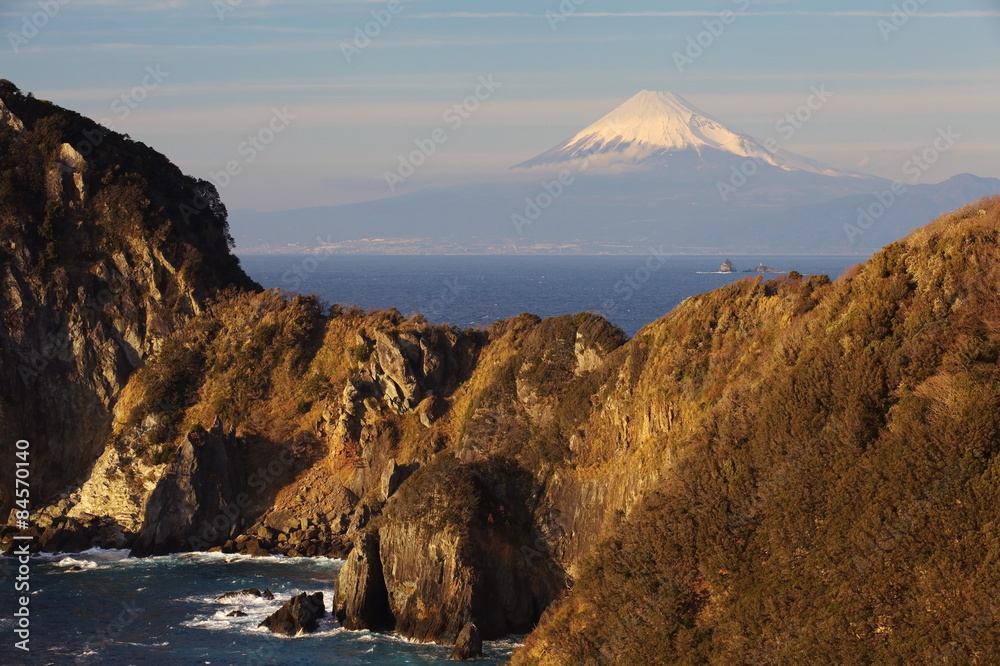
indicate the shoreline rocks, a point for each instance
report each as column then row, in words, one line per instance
column 300, row 614
column 361, row 600
column 469, row 644
column 194, row 505
column 452, row 548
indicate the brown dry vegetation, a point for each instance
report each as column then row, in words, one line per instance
column 834, row 500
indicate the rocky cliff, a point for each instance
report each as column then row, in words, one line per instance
column 833, row 479
column 99, row 263
column 775, row 472
column 203, row 488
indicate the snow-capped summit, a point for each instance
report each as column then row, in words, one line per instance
column 653, row 125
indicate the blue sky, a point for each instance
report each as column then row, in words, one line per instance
column 225, row 66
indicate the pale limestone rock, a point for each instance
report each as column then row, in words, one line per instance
column 118, row 489
column 8, row 119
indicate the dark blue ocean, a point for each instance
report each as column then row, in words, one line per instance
column 631, row 291
column 100, row 608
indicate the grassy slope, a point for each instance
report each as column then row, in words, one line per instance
column 835, row 500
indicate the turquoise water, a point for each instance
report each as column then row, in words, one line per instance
column 99, row 607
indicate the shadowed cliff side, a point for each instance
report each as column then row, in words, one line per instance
column 105, row 249
column 205, row 480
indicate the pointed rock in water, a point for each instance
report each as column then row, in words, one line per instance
column 300, row 614
column 268, row 594
column 469, row 644
column 432, row 563
column 362, row 601
column 236, row 613
column 727, row 267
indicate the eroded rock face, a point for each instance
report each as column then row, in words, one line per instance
column 9, row 120
column 299, row 615
column 117, row 489
column 469, row 644
column 595, row 339
column 393, row 477
column 195, row 505
column 65, row 179
column 96, row 269
column 451, row 552
column 406, row 367
column 361, row 600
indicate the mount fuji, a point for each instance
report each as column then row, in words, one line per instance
column 654, row 172
column 652, row 128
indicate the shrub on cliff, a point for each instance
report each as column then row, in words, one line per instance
column 840, row 504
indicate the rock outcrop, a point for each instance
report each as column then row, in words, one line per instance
column 469, row 644
column 450, row 541
column 98, row 265
column 9, row 120
column 361, row 600
column 250, row 592
column 196, row 504
column 299, row 615
column 117, row 487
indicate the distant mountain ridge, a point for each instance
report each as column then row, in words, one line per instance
column 655, row 171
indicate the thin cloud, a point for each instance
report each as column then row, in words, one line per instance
column 964, row 14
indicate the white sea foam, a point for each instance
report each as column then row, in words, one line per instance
column 210, row 623
column 106, row 554
column 240, row 600
column 270, row 559
column 93, row 558
column 67, row 562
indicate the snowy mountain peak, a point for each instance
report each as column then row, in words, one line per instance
column 660, row 120
column 651, row 126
